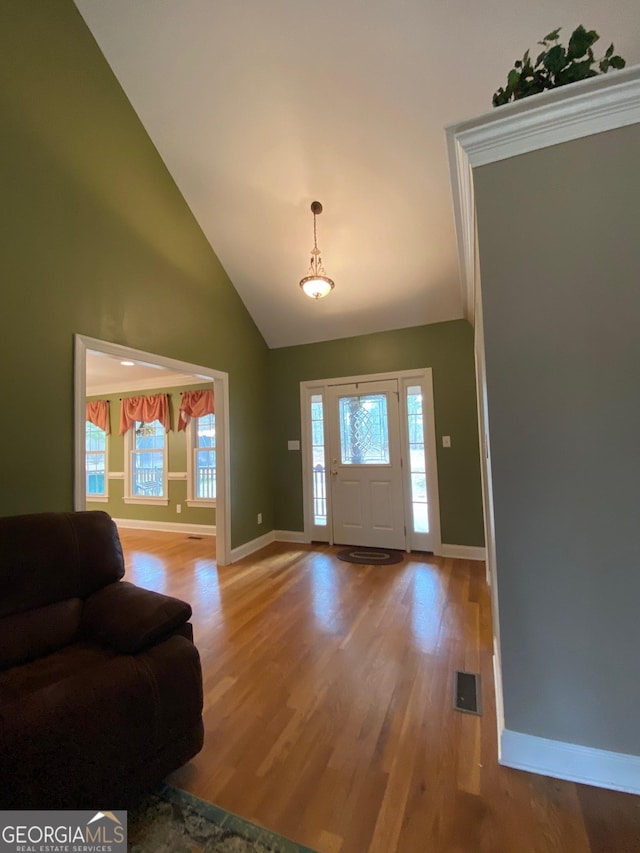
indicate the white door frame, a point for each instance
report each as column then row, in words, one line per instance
column 404, row 377
column 220, row 380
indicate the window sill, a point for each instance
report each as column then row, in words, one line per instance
column 202, row 502
column 150, row 501
column 98, row 499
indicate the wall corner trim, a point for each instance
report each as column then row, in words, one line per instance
column 462, row 552
column 252, row 546
column 266, row 539
column 296, row 536
column 570, row 761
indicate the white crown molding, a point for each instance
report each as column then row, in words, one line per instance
column 166, row 526
column 169, row 380
column 559, row 115
column 592, row 106
column 570, row 761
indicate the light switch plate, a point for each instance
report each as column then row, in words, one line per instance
column 446, row 441
column 293, row 444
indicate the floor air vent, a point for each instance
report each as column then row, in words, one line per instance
column 467, row 696
column 194, row 537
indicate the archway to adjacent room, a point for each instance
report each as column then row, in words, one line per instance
column 220, row 380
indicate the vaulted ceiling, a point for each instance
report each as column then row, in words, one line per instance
column 259, row 108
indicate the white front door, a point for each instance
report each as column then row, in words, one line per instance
column 365, row 471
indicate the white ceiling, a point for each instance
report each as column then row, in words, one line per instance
column 106, row 374
column 258, row 108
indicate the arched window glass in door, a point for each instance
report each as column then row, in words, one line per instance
column 364, row 430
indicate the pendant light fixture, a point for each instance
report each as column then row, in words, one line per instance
column 316, row 284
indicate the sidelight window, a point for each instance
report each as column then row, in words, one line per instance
column 417, row 460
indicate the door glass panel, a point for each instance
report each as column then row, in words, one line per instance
column 364, row 430
column 419, row 502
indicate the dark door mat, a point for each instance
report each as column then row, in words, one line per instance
column 370, row 556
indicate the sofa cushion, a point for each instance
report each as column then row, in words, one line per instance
column 28, row 635
column 129, row 618
column 76, row 661
column 50, row 556
column 65, row 735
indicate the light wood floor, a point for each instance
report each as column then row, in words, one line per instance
column 328, row 706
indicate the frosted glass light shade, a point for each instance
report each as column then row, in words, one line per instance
column 317, row 286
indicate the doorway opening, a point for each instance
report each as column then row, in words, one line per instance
column 369, row 461
column 142, row 460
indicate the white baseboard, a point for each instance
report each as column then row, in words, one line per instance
column 462, row 552
column 262, row 541
column 167, row 526
column 290, row 536
column 571, row 761
column 252, row 546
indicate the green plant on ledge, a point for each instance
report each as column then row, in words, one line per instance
column 556, row 66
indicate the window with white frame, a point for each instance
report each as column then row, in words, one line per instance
column 146, row 463
column 201, row 461
column 95, row 461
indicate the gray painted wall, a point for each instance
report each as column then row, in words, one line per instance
column 559, row 237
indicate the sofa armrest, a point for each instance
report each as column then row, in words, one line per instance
column 129, row 618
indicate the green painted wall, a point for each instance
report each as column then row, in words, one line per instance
column 97, row 239
column 445, row 347
column 177, row 462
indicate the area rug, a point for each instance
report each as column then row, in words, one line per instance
column 370, row 556
column 173, row 821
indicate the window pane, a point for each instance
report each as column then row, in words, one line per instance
column 421, row 518
column 206, row 431
column 149, row 436
column 317, row 428
column 419, row 487
column 317, row 454
column 364, row 436
column 205, row 474
column 95, row 479
column 204, row 457
column 96, row 438
column 417, row 461
column 95, row 460
column 148, row 474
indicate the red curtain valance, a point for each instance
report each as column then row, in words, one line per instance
column 154, row 407
column 97, row 412
column 195, row 404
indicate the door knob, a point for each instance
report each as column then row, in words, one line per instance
column 333, row 473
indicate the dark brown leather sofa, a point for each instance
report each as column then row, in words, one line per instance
column 100, row 683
